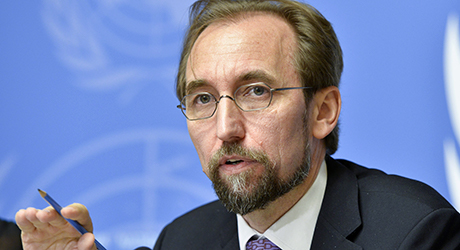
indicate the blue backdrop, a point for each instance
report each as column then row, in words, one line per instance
column 88, row 110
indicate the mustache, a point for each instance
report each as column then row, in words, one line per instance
column 237, row 149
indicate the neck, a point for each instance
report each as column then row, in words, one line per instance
column 260, row 220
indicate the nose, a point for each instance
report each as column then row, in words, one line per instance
column 230, row 127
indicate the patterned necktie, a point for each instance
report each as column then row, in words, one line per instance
column 261, row 244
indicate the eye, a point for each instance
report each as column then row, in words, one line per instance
column 203, row 98
column 254, row 91
column 259, row 90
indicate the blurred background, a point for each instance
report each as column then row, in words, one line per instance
column 88, row 108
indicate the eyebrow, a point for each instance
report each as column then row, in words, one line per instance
column 255, row 75
column 193, row 85
column 258, row 75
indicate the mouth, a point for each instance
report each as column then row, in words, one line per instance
column 233, row 162
column 230, row 165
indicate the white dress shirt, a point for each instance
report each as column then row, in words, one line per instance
column 294, row 230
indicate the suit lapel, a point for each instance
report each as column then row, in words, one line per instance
column 229, row 234
column 339, row 216
column 232, row 244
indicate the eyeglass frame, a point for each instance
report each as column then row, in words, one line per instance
column 217, row 100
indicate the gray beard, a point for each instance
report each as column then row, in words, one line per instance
column 245, row 192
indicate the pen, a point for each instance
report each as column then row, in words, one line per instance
column 74, row 223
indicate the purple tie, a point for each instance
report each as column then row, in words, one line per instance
column 261, row 244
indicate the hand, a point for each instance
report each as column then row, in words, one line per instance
column 46, row 229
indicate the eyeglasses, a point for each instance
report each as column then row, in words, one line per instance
column 249, row 97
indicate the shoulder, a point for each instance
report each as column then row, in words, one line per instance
column 198, row 227
column 10, row 235
column 397, row 189
column 407, row 214
column 201, row 215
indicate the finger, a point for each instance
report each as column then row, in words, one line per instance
column 87, row 241
column 23, row 223
column 51, row 216
column 31, row 216
column 79, row 213
column 48, row 214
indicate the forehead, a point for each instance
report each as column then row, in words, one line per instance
column 230, row 49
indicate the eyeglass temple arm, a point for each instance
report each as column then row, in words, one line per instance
column 277, row 89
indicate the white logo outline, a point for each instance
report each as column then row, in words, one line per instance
column 452, row 87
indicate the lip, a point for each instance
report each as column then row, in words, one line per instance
column 240, row 165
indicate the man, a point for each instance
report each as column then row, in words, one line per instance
column 258, row 84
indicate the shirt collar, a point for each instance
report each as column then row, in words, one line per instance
column 294, row 230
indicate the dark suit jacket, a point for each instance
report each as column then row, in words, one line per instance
column 362, row 209
column 10, row 236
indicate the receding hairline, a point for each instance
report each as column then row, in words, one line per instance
column 287, row 40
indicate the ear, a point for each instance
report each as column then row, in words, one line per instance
column 326, row 105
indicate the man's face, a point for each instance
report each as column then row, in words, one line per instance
column 239, row 151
